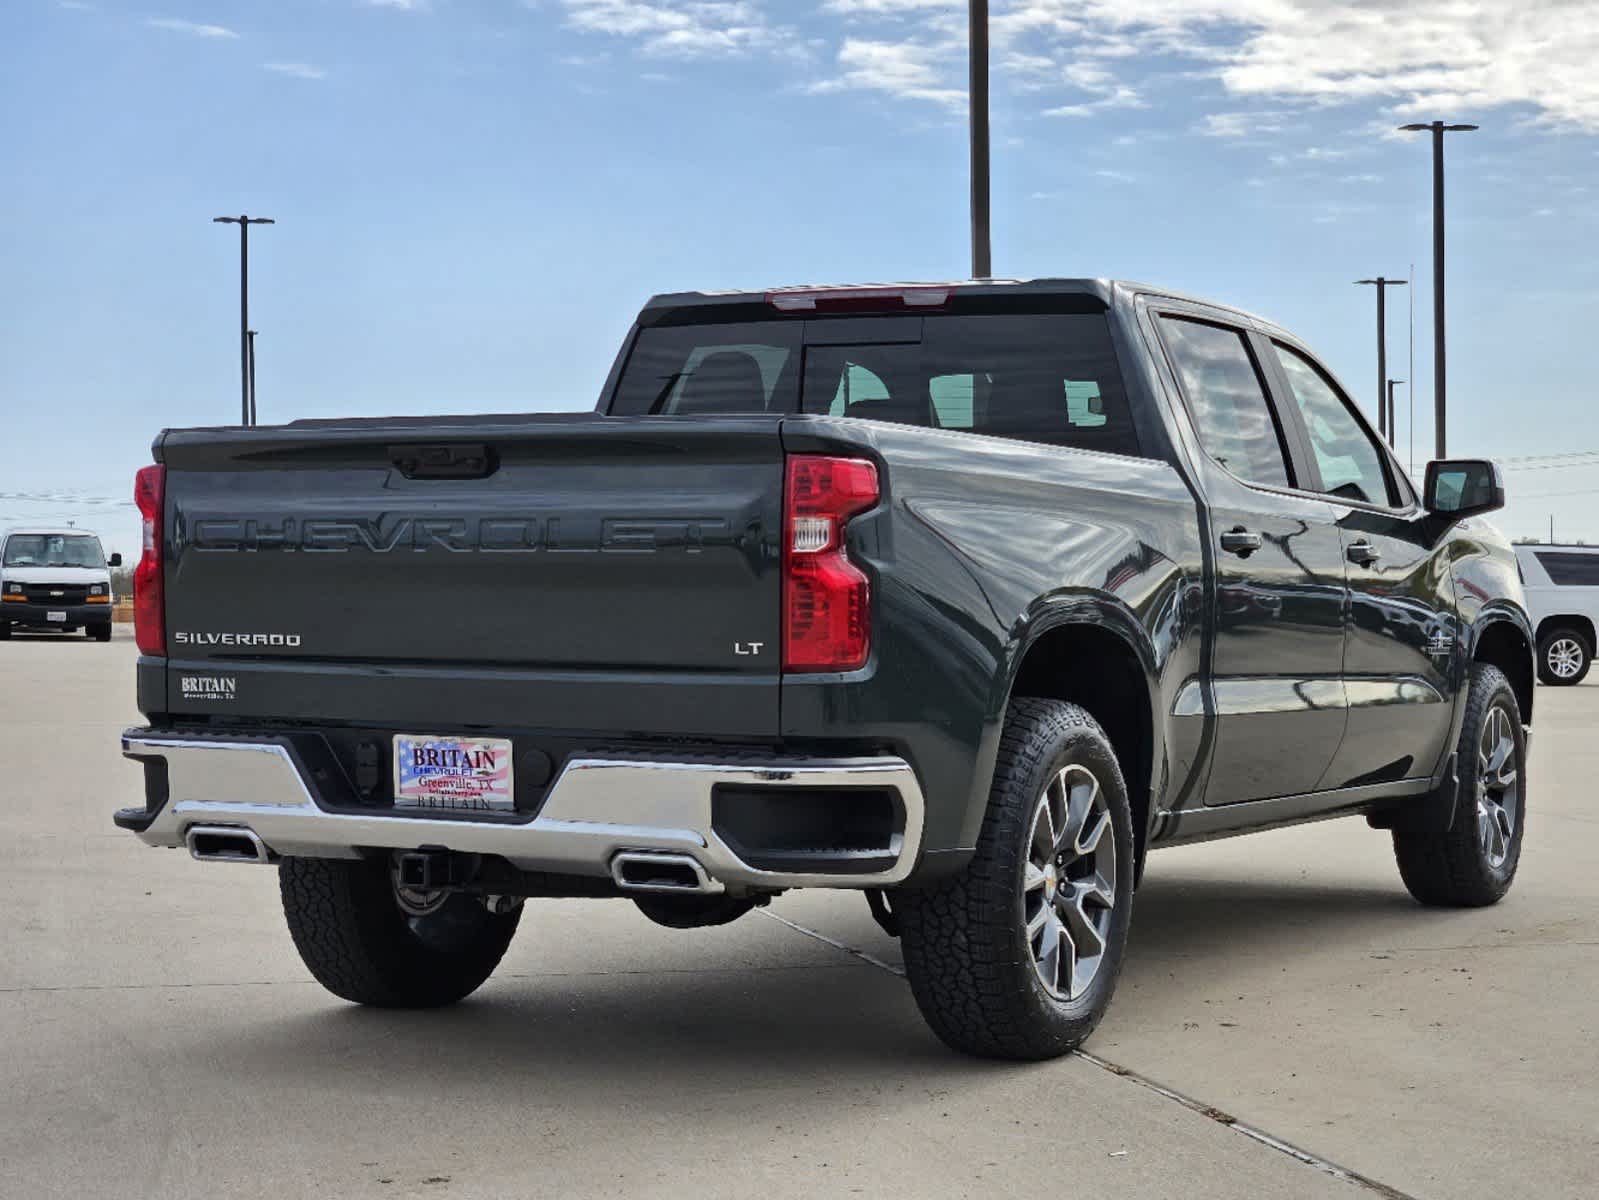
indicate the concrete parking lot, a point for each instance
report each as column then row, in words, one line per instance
column 160, row 1037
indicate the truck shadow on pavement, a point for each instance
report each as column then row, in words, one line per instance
column 660, row 1041
column 607, row 1034
column 1216, row 917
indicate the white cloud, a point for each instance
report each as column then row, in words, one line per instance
column 297, row 70
column 1243, row 125
column 680, row 28
column 908, row 70
column 891, row 7
column 400, row 5
column 192, row 28
column 1360, row 178
column 1115, row 176
column 1116, row 97
column 1449, row 58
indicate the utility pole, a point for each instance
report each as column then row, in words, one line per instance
column 977, row 94
column 1440, row 405
column 1385, row 409
column 244, row 222
column 1392, row 411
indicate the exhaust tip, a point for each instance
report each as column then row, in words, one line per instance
column 226, row 843
column 637, row 871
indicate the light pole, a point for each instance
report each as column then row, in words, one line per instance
column 1392, row 383
column 982, row 249
column 251, row 336
column 1385, row 412
column 244, row 223
column 1440, row 407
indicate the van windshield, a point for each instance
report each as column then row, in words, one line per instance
column 53, row 550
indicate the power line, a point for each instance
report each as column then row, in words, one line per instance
column 1526, row 458
column 1552, row 466
column 1593, row 491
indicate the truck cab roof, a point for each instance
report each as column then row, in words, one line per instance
column 921, row 294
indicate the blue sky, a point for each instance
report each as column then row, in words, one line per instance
column 473, row 196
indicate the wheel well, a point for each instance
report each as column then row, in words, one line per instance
column 1581, row 624
column 1504, row 646
column 1095, row 669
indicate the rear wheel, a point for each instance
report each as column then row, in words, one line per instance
column 370, row 942
column 100, row 633
column 1018, row 955
column 1473, row 862
column 5, row 630
column 1564, row 657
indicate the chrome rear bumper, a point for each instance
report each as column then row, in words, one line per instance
column 596, row 809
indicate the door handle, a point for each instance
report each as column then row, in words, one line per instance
column 1362, row 553
column 1240, row 541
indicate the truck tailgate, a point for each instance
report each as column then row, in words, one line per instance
column 566, row 572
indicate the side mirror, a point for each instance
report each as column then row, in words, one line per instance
column 1463, row 487
column 114, row 561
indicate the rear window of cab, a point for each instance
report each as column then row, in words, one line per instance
column 1045, row 377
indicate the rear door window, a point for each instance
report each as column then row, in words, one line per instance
column 1227, row 399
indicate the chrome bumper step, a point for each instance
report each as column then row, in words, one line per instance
column 646, row 821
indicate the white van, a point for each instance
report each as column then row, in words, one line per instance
column 1562, row 585
column 55, row 579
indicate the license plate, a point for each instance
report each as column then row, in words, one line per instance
column 55, row 616
column 469, row 774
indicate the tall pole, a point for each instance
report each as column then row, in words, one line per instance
column 1385, row 408
column 1439, row 371
column 244, row 314
column 1440, row 407
column 244, row 222
column 982, row 249
column 1384, row 393
column 1392, row 410
column 251, row 336
column 1410, row 424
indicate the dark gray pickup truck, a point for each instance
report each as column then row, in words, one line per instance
column 961, row 595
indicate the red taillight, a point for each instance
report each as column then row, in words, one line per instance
column 149, row 600
column 827, row 609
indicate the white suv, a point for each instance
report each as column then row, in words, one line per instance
column 1562, row 584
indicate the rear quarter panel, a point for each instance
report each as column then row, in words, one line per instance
column 978, row 547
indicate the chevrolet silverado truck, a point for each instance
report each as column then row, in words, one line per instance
column 964, row 596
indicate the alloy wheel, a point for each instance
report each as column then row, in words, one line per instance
column 1564, row 657
column 1069, row 882
column 1499, row 786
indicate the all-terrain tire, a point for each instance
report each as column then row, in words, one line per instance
column 968, row 956
column 1455, row 869
column 354, row 937
column 1560, row 642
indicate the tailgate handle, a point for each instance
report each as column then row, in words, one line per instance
column 448, row 461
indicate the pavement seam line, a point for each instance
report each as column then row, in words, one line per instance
column 1209, row 1111
column 822, row 937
